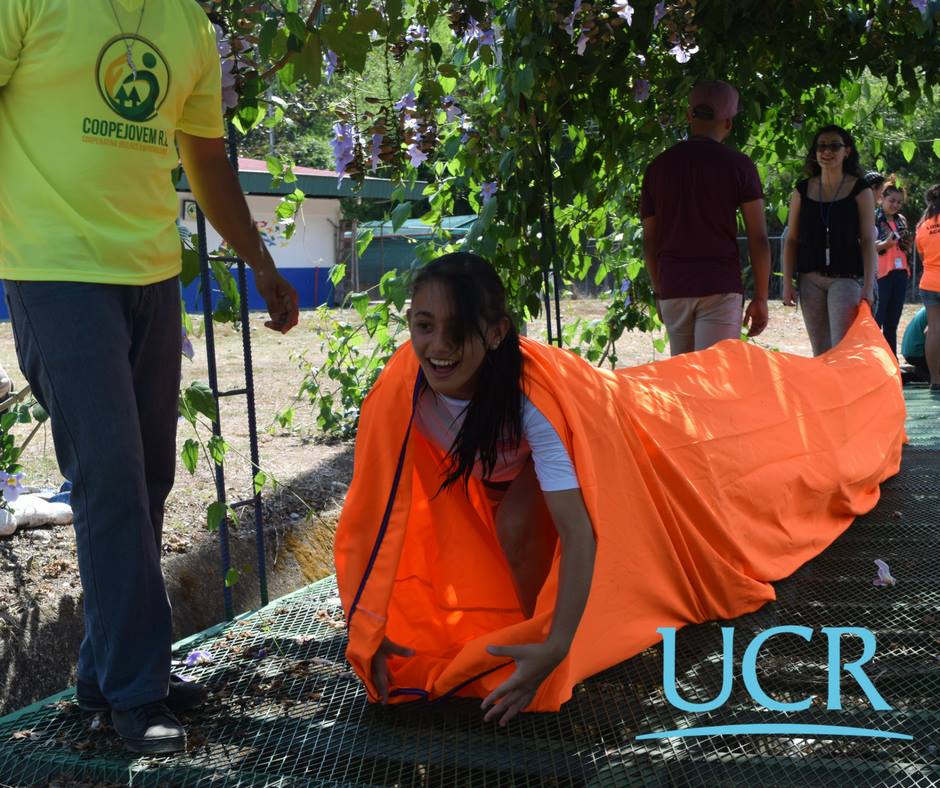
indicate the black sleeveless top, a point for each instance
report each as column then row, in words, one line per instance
column 845, row 253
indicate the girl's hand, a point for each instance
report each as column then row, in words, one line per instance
column 788, row 296
column 380, row 668
column 534, row 662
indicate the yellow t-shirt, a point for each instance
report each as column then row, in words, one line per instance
column 86, row 148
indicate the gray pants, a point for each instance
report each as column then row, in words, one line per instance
column 829, row 306
column 698, row 323
column 104, row 361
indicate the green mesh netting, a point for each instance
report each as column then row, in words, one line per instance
column 286, row 711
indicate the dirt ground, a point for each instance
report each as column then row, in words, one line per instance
column 37, row 567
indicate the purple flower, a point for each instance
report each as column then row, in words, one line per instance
column 451, row 109
column 343, row 142
column 487, row 38
column 920, row 5
column 582, row 43
column 658, row 13
column 683, row 54
column 227, row 64
column 188, row 350
column 467, row 126
column 641, row 89
column 330, row 61
column 624, row 10
column 410, row 122
column 229, row 94
column 376, row 151
column 625, row 287
column 198, row 657
column 569, row 20
column 416, row 34
column 406, row 102
column 884, row 575
column 488, row 191
column 417, row 155
column 12, row 485
column 474, row 32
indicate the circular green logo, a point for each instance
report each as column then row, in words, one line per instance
column 133, row 77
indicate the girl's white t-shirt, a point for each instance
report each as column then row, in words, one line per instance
column 439, row 419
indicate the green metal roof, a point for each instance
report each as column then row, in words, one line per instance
column 415, row 228
column 255, row 178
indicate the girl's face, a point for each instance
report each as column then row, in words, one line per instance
column 450, row 369
column 831, row 151
column 891, row 203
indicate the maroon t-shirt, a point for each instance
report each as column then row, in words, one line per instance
column 694, row 190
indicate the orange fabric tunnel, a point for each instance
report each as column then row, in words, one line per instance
column 706, row 476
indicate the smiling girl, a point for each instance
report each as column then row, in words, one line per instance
column 472, row 408
column 830, row 245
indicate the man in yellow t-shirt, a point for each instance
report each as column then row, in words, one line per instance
column 95, row 98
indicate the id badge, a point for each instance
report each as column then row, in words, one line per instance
column 898, row 263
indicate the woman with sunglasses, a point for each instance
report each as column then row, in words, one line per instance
column 831, row 244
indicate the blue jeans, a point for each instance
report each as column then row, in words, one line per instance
column 892, row 288
column 104, row 361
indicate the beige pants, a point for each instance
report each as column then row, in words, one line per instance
column 698, row 323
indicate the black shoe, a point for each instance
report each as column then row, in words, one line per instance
column 183, row 696
column 149, row 729
column 935, row 388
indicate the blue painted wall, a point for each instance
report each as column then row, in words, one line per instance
column 312, row 284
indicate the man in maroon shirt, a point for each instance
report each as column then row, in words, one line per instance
column 689, row 204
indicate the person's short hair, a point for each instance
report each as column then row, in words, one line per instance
column 713, row 99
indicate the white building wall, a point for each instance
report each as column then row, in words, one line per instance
column 313, row 244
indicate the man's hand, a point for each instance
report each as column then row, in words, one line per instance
column 534, row 663
column 788, row 297
column 380, row 666
column 218, row 192
column 280, row 298
column 755, row 317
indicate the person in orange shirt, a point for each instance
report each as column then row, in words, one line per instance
column 928, row 244
column 893, row 246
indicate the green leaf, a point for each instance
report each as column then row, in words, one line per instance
column 190, row 271
column 401, row 212
column 296, row 25
column 198, row 397
column 7, row 420
column 908, row 148
column 259, row 481
column 362, row 243
column 309, row 61
column 217, row 449
column 215, row 514
column 936, row 148
column 338, row 273
column 231, row 577
column 285, row 418
column 190, row 454
column 359, row 302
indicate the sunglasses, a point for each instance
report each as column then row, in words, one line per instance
column 833, row 146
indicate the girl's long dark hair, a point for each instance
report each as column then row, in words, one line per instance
column 494, row 415
column 933, row 204
column 850, row 164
